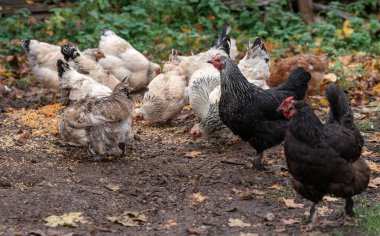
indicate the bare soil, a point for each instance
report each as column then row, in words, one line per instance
column 164, row 174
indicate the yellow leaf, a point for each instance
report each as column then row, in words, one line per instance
column 185, row 30
column 198, row 197
column 346, row 28
column 375, row 138
column 374, row 183
column 291, row 204
column 193, row 154
column 340, row 34
column 237, row 223
column 276, row 186
column 324, row 102
column 318, row 41
column 373, row 166
column 67, row 219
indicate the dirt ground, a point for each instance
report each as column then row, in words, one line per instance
column 181, row 186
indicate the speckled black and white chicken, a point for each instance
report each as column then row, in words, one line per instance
column 166, row 95
column 42, row 59
column 75, row 86
column 120, row 54
column 205, row 94
column 86, row 65
column 100, row 124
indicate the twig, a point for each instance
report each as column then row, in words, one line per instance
column 232, row 163
column 321, row 7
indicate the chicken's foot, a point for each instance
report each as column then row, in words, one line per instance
column 53, row 98
column 349, row 207
column 257, row 161
column 312, row 222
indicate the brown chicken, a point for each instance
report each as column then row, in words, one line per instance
column 315, row 65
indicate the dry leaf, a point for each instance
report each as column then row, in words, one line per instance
column 373, row 166
column 130, row 218
column 269, row 216
column 375, row 138
column 331, row 77
column 374, row 183
column 291, row 204
column 237, row 223
column 330, row 199
column 290, row 221
column 169, row 224
column 347, row 30
column 248, row 195
column 276, row 186
column 198, row 197
column 187, row 108
column 68, row 219
column 113, row 187
column 324, row 210
column 248, row 234
column 323, row 101
column 193, row 154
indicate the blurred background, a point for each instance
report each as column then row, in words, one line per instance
column 347, row 31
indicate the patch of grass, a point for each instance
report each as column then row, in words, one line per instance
column 371, row 214
column 366, row 125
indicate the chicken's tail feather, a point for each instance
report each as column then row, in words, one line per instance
column 69, row 52
column 340, row 110
column 25, row 44
column 257, row 49
column 296, row 83
column 62, row 67
column 222, row 40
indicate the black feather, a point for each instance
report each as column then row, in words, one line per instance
column 222, row 41
column 25, row 44
column 69, row 52
column 62, row 67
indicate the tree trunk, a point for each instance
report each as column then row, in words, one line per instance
column 306, row 9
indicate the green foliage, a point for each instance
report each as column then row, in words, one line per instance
column 371, row 217
column 188, row 25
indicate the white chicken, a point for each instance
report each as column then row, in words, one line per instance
column 141, row 70
column 221, row 44
column 86, row 65
column 254, row 66
column 100, row 124
column 75, row 86
column 42, row 58
column 166, row 95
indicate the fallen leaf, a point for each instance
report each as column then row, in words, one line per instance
column 169, row 224
column 375, row 138
column 198, row 197
column 347, row 30
column 330, row 199
column 323, row 101
column 237, row 223
column 187, row 108
column 290, row 221
column 248, row 234
column 291, row 204
column 374, row 183
column 68, row 219
column 324, row 210
column 248, row 195
column 331, row 77
column 276, row 186
column 130, row 218
column 193, row 154
column 373, row 166
column 113, row 187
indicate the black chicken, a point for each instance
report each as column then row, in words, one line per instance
column 250, row 111
column 325, row 159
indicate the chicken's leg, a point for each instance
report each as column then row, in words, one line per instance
column 53, row 98
column 258, row 159
column 313, row 213
column 349, row 207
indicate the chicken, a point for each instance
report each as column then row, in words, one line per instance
column 76, row 86
column 315, row 65
column 87, row 66
column 249, row 111
column 141, row 70
column 233, row 50
column 325, row 158
column 100, row 124
column 42, row 58
column 221, row 44
column 166, row 95
column 94, row 54
column 254, row 66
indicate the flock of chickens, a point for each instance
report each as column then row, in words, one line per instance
column 94, row 85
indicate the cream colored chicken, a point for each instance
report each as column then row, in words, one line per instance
column 167, row 94
column 42, row 59
column 100, row 124
column 76, row 86
column 141, row 70
column 86, row 65
column 205, row 93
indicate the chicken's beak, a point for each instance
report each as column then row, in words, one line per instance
column 210, row 61
column 280, row 109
